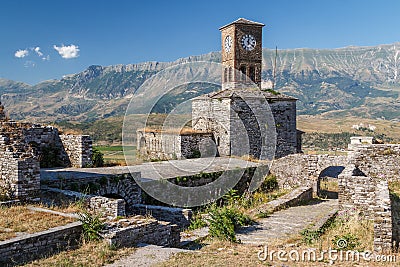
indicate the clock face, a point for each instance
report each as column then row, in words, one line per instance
column 248, row 42
column 228, row 43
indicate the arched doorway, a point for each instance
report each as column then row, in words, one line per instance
column 113, row 196
column 327, row 183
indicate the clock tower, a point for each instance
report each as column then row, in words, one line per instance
column 241, row 53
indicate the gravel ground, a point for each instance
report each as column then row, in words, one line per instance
column 146, row 255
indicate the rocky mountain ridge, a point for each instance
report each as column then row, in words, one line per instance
column 357, row 81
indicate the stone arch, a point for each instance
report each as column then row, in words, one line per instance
column 142, row 142
column 327, row 182
column 120, row 186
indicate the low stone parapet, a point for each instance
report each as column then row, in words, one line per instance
column 37, row 245
column 139, row 229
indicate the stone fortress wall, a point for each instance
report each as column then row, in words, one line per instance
column 24, row 147
column 363, row 177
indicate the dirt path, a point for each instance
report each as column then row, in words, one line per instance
column 146, row 256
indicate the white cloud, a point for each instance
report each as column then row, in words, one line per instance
column 67, row 51
column 37, row 50
column 21, row 53
column 46, row 58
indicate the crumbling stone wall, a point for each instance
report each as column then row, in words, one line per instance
column 377, row 160
column 107, row 207
column 38, row 140
column 24, row 147
column 357, row 191
column 20, row 177
column 371, row 198
column 383, row 226
column 129, row 232
column 78, row 150
column 374, row 160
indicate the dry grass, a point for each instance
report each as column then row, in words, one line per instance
column 348, row 224
column 230, row 254
column 320, row 124
column 325, row 152
column 260, row 197
column 217, row 253
column 394, row 187
column 74, row 207
column 21, row 219
column 248, row 158
column 114, row 155
column 329, row 185
column 91, row 254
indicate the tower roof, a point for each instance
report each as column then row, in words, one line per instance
column 243, row 21
column 248, row 93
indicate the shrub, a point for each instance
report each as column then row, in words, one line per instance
column 345, row 242
column 231, row 196
column 92, row 225
column 270, row 183
column 97, row 158
column 224, row 221
column 197, row 222
column 310, row 236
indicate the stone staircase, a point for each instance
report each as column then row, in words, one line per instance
column 288, row 222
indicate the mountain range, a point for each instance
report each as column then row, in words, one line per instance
column 356, row 81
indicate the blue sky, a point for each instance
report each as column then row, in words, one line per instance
column 46, row 39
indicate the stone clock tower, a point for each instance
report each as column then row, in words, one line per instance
column 234, row 121
column 241, row 51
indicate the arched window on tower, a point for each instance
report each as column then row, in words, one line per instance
column 230, row 74
column 225, row 75
column 242, row 69
column 252, row 73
